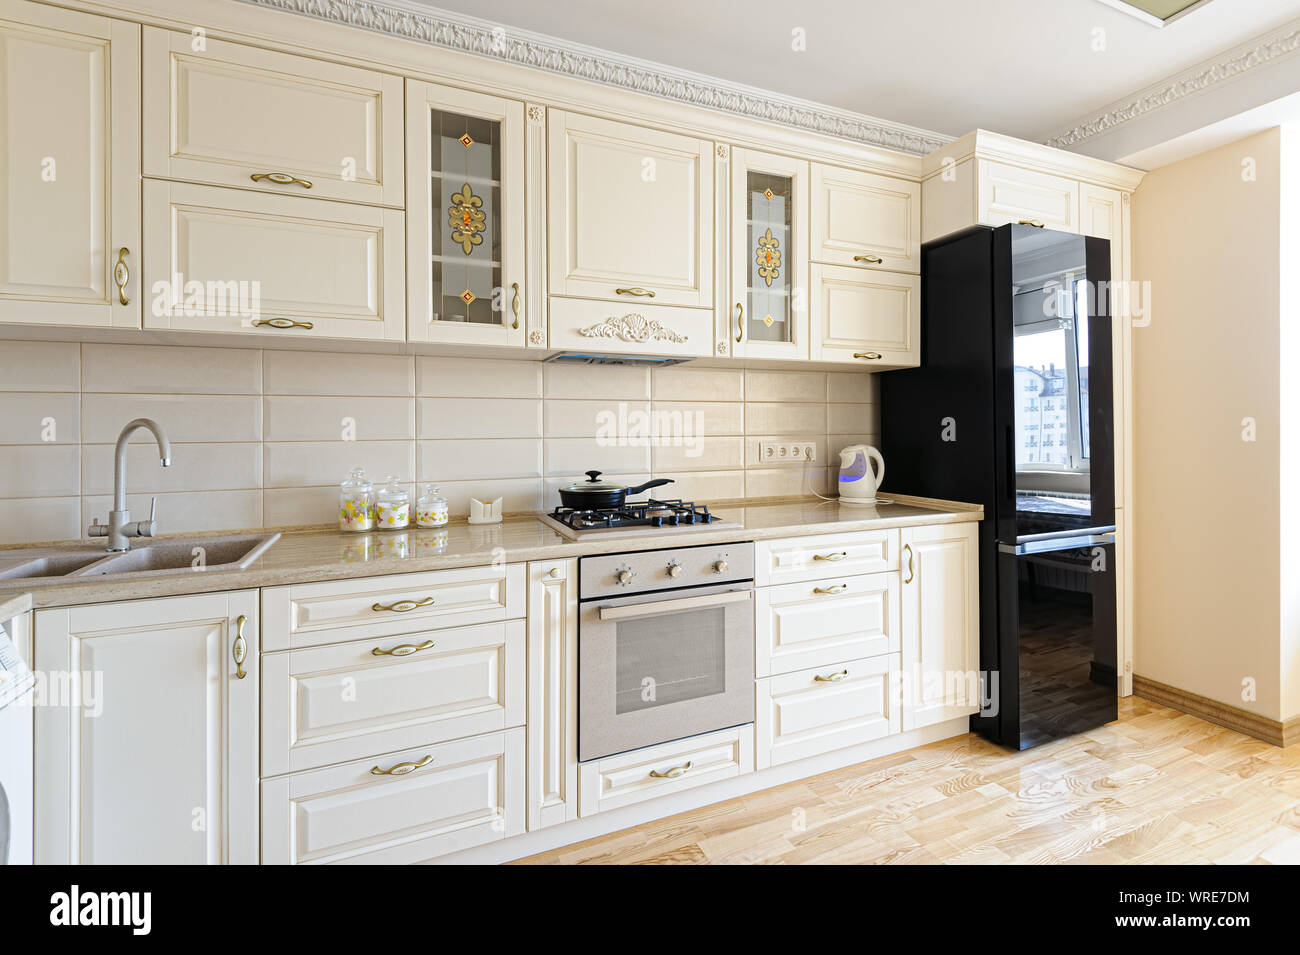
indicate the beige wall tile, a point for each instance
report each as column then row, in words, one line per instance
column 687, row 383
column 859, row 387
column 800, row 419
column 478, row 378
column 186, row 513
column 563, row 418
column 40, row 366
column 316, row 463
column 467, row 459
column 31, row 520
column 195, row 467
column 478, row 418
column 852, row 419
column 578, row 455
column 596, row 381
column 300, row 506
column 213, row 418
column 40, row 418
column 321, row 418
column 784, row 482
column 517, row 496
column 337, row 373
column 702, row 487
column 40, row 470
column 785, row 385
column 701, row 454
column 706, row 418
column 171, row 369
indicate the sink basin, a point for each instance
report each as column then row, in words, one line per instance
column 54, row 565
column 180, row 556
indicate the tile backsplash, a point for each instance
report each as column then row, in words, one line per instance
column 262, row 438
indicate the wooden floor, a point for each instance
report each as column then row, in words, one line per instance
column 1156, row 786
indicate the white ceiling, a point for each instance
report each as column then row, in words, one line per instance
column 1026, row 68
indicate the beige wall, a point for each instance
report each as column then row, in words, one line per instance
column 259, row 434
column 1207, row 505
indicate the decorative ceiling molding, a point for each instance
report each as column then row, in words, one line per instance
column 1264, row 50
column 455, row 31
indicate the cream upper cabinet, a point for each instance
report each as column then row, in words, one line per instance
column 1009, row 193
column 465, row 225
column 940, row 623
column 70, row 209
column 631, row 213
column 154, row 759
column 230, row 260
column 232, row 115
column 552, row 692
column 769, row 255
column 868, row 316
column 864, row 220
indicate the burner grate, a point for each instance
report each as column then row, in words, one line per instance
column 650, row 513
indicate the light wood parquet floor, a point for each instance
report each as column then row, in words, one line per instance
column 1157, row 786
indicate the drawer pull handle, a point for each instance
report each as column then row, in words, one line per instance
column 1036, row 223
column 644, row 292
column 910, row 574
column 405, row 650
column 873, row 259
column 838, row 555
column 280, row 179
column 239, row 649
column 837, row 589
column 122, row 275
column 281, row 323
column 404, row 606
column 868, row 355
column 401, row 769
column 833, row 678
column 514, row 304
column 672, row 773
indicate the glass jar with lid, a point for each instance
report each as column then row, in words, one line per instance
column 430, row 508
column 356, row 502
column 392, row 505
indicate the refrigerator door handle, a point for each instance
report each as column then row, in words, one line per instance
column 1058, row 543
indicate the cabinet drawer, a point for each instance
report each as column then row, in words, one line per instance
column 334, row 268
column 872, row 318
column 329, row 704
column 818, row 711
column 1011, row 194
column 798, row 559
column 303, row 615
column 866, row 221
column 824, row 622
column 626, row 779
column 632, row 327
column 470, row 792
column 230, row 112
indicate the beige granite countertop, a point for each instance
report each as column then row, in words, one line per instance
column 327, row 554
column 14, row 605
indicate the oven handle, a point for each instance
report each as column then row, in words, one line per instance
column 657, row 607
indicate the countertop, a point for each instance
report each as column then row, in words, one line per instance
column 326, row 554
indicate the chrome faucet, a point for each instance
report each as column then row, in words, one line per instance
column 119, row 530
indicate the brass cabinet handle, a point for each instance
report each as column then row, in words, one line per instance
column 239, row 649
column 910, row 573
column 401, row 769
column 403, row 606
column 672, row 773
column 122, row 275
column 740, row 322
column 404, row 650
column 873, row 259
column 839, row 555
column 514, row 303
column 1036, row 223
column 836, row 589
column 281, row 323
column 280, row 179
column 869, row 355
column 634, row 291
column 833, row 678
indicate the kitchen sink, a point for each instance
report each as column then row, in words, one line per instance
column 179, row 556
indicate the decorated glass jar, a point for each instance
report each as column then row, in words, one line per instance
column 430, row 508
column 356, row 502
column 392, row 506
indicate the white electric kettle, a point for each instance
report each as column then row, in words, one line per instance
column 858, row 478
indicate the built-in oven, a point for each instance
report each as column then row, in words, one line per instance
column 665, row 646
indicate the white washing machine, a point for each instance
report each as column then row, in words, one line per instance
column 16, row 790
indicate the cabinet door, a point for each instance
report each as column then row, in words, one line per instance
column 824, row 622
column 153, row 758
column 227, row 260
column 869, row 317
column 70, row 122
column 1011, row 194
column 631, row 212
column 769, row 244
column 940, row 623
column 234, row 115
column 552, row 692
column 864, row 220
column 465, row 232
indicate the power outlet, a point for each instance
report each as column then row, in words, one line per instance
column 795, row 452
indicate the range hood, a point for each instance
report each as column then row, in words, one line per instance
column 591, row 358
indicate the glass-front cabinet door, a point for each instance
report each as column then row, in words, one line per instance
column 769, row 252
column 465, row 216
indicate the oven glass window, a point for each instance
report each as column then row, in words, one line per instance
column 669, row 658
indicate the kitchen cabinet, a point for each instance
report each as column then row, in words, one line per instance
column 152, row 757
column 465, row 227
column 795, row 559
column 70, row 121
column 822, row 622
column 769, row 245
column 1014, row 194
column 552, row 692
column 226, row 114
column 229, row 260
column 940, row 623
column 863, row 220
column 870, row 317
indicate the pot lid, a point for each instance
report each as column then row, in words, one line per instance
column 594, row 484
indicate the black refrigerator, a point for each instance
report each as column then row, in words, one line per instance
column 1011, row 408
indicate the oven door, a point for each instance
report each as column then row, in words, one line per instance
column 659, row 667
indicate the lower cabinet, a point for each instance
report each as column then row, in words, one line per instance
column 404, row 807
column 152, row 754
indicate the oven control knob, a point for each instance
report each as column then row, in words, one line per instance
column 720, row 567
column 674, row 569
column 625, row 577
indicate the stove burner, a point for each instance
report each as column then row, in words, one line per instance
column 649, row 513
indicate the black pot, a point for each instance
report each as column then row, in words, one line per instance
column 594, row 493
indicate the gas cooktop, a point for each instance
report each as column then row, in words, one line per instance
column 634, row 517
